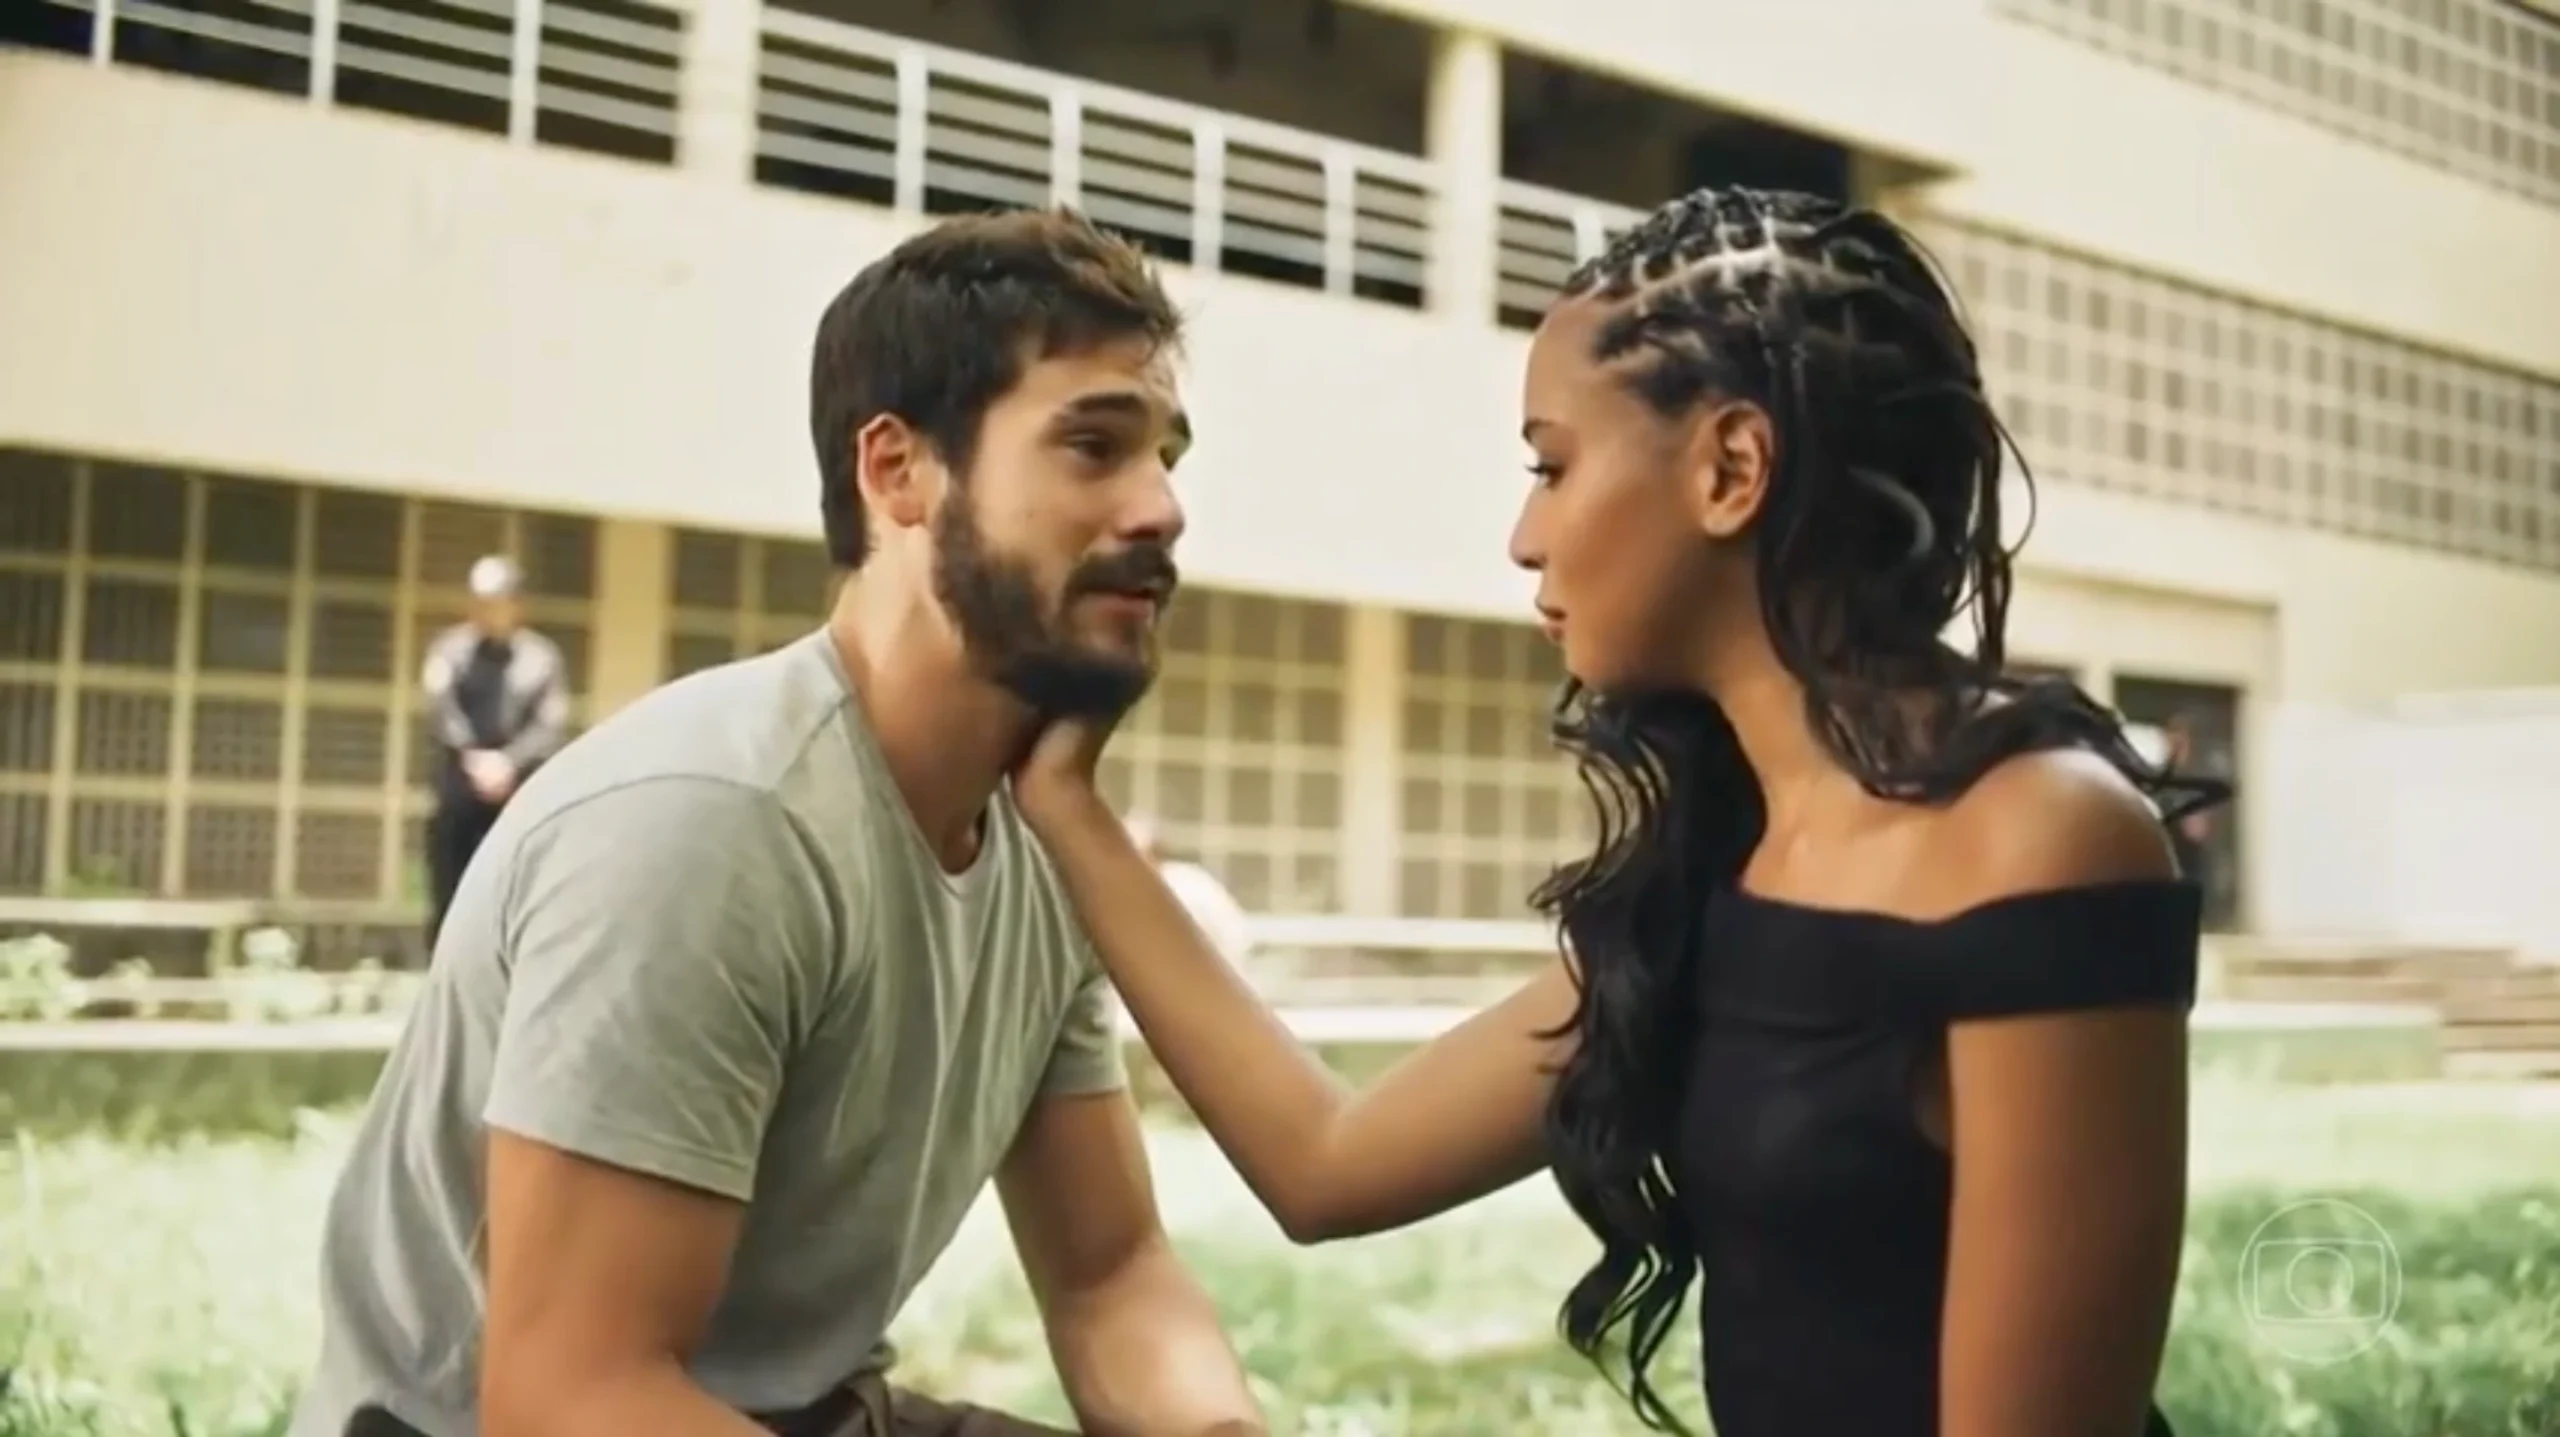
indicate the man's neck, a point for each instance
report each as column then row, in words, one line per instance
column 947, row 734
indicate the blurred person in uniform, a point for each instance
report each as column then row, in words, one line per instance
column 1203, row 896
column 498, row 703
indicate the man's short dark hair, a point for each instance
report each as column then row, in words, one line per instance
column 940, row 328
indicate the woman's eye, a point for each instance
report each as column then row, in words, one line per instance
column 1545, row 473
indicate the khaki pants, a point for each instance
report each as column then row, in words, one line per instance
column 882, row 1410
column 866, row 1407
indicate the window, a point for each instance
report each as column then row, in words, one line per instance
column 2158, row 388
column 1238, row 752
column 1489, row 806
column 2472, row 86
column 208, row 683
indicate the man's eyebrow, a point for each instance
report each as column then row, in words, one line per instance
column 1123, row 404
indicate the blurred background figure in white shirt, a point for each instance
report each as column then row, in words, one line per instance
column 1208, row 901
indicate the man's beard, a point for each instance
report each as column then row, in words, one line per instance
column 1009, row 635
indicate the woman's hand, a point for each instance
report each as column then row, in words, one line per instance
column 1054, row 783
column 1453, row 1122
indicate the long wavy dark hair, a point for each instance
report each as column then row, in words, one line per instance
column 1880, row 525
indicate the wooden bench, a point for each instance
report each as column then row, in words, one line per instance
column 1381, row 1027
column 1387, row 990
column 340, row 912
column 222, row 921
column 1347, row 932
column 1390, row 1009
column 1421, row 1000
column 187, row 1035
column 241, row 996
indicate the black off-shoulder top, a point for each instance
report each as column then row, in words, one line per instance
column 1819, row 1205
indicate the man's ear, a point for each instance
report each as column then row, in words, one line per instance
column 896, row 471
column 1731, row 452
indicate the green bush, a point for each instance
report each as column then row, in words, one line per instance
column 160, row 1095
column 166, row 1287
column 154, row 1096
column 147, row 1094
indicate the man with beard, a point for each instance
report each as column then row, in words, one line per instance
column 755, row 986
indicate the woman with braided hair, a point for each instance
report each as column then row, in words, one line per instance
column 1871, row 1019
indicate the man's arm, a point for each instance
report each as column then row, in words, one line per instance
column 546, row 726
column 1136, row 1340
column 667, row 942
column 600, row 1280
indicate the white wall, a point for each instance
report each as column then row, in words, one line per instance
column 1909, row 78
column 2434, row 821
column 202, row 274
column 2063, row 142
column 2104, row 155
column 2325, row 779
column 2477, row 833
column 2355, row 620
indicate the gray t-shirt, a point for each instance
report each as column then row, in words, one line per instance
column 708, row 942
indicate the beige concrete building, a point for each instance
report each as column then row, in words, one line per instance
column 306, row 303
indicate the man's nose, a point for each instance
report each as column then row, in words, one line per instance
column 1154, row 514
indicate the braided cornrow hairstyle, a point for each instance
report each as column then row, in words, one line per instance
column 1881, row 524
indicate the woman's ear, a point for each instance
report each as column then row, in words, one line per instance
column 1731, row 451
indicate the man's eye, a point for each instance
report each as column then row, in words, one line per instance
column 1096, row 447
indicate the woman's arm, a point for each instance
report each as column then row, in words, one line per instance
column 1454, row 1121
column 2070, row 1168
column 2070, row 1150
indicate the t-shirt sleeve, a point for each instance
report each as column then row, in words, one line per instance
column 1086, row 1058
column 666, row 945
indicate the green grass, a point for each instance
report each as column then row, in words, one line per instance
column 166, row 1290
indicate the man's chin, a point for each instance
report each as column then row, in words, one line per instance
column 1112, row 626
column 1085, row 682
column 1123, row 640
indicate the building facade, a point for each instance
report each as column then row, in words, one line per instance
column 306, row 303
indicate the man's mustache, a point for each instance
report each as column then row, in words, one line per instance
column 1139, row 569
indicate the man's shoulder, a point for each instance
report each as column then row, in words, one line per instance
column 639, row 812
column 751, row 753
column 763, row 723
column 677, row 868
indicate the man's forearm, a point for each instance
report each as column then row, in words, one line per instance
column 1144, row 1356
